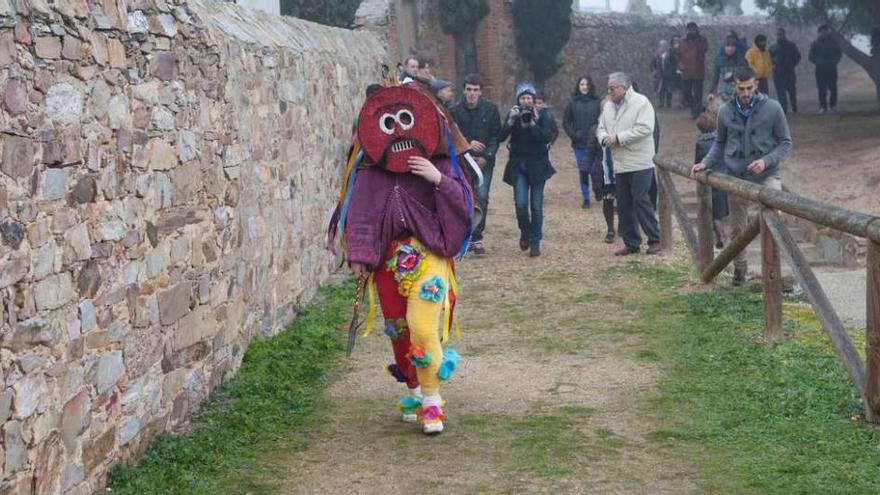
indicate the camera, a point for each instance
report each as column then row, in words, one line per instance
column 526, row 115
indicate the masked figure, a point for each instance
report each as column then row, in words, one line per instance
column 405, row 213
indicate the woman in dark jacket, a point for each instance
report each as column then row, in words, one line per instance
column 528, row 167
column 581, row 115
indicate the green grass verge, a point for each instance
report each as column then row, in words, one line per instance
column 276, row 393
column 756, row 419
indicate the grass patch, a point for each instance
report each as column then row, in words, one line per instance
column 761, row 419
column 548, row 444
column 276, row 393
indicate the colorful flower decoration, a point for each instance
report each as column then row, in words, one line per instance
column 406, row 262
column 396, row 372
column 409, row 404
column 395, row 327
column 449, row 364
column 433, row 289
column 430, row 413
column 419, row 357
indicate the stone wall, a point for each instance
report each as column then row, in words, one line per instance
column 167, row 169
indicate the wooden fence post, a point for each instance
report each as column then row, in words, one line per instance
column 771, row 280
column 872, row 343
column 704, row 226
column 665, row 214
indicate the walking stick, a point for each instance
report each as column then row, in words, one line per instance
column 355, row 317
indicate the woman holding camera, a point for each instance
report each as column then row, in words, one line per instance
column 528, row 167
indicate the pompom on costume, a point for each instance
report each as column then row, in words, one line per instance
column 406, row 231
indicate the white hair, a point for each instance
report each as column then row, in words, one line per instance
column 621, row 78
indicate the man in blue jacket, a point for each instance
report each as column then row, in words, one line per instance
column 751, row 141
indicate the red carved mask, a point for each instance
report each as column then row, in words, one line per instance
column 397, row 123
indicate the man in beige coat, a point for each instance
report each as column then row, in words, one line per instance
column 626, row 127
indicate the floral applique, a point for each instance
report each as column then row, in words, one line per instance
column 419, row 357
column 433, row 289
column 395, row 327
column 406, row 262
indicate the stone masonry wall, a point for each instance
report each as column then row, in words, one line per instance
column 167, row 169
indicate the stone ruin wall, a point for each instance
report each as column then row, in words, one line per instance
column 167, row 169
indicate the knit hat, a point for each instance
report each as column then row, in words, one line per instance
column 524, row 88
column 437, row 85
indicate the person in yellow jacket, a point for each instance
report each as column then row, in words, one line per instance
column 760, row 62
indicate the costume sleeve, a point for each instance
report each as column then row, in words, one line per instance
column 454, row 200
column 643, row 127
column 363, row 224
column 494, row 134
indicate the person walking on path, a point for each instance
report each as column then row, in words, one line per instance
column 761, row 63
column 786, row 58
column 825, row 54
column 626, row 127
column 692, row 63
column 404, row 214
column 657, row 67
column 579, row 122
column 751, row 141
column 528, row 166
column 478, row 120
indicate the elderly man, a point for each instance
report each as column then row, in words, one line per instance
column 626, row 127
column 751, row 140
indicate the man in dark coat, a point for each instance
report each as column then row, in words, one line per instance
column 479, row 122
column 692, row 62
column 786, row 58
column 825, row 54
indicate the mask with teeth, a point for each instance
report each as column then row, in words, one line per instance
column 397, row 123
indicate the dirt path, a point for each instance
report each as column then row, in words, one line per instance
column 551, row 393
column 548, row 395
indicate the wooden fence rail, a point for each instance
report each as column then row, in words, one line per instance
column 777, row 243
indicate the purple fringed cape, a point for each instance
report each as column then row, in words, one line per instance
column 386, row 206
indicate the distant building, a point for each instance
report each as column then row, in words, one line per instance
column 270, row 6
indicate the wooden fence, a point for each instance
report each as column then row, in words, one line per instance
column 776, row 239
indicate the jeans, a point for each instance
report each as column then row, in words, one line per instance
column 786, row 90
column 634, row 203
column 580, row 155
column 528, row 196
column 826, row 80
column 482, row 194
column 693, row 95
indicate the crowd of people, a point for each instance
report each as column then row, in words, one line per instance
column 415, row 192
column 679, row 69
